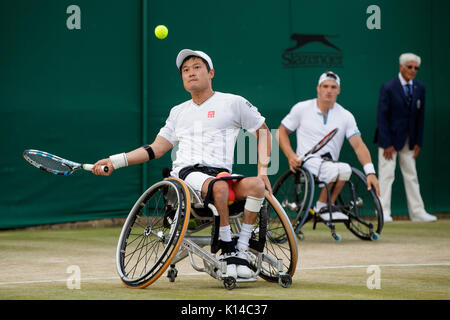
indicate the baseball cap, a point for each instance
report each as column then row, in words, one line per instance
column 183, row 54
column 329, row 75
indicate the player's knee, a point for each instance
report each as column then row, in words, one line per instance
column 254, row 186
column 258, row 186
column 220, row 190
column 329, row 173
column 345, row 171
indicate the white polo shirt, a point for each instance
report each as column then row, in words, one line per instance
column 207, row 133
column 312, row 125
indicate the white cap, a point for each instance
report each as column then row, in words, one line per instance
column 329, row 75
column 183, row 54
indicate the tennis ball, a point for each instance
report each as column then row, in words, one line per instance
column 161, row 31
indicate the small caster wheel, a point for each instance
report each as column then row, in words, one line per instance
column 300, row 235
column 229, row 283
column 172, row 274
column 336, row 237
column 285, row 280
column 374, row 236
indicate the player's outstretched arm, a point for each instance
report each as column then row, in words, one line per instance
column 158, row 148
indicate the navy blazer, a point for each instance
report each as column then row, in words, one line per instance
column 396, row 121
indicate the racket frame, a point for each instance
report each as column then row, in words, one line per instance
column 71, row 165
column 330, row 135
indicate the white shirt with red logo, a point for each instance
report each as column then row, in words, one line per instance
column 206, row 134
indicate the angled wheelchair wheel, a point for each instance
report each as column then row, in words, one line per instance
column 278, row 228
column 295, row 192
column 362, row 206
column 153, row 233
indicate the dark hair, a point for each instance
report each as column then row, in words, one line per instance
column 193, row 56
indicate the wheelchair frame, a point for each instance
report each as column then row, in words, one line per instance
column 353, row 203
column 179, row 242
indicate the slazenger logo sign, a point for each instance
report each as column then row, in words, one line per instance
column 296, row 57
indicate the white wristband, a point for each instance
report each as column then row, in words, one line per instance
column 119, row 160
column 369, row 169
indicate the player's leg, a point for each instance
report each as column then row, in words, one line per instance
column 252, row 190
column 345, row 171
column 220, row 197
column 326, row 172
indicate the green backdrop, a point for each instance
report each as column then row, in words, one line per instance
column 107, row 87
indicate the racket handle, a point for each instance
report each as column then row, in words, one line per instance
column 89, row 167
column 302, row 157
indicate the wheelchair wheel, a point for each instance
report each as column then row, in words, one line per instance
column 279, row 227
column 362, row 206
column 295, row 191
column 153, row 233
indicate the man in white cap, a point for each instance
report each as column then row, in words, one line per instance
column 400, row 124
column 205, row 129
column 313, row 119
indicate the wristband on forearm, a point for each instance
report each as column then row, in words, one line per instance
column 369, row 168
column 119, row 160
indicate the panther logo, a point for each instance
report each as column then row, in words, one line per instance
column 294, row 58
column 303, row 39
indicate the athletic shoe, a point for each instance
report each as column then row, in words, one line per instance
column 387, row 218
column 337, row 216
column 424, row 217
column 228, row 254
column 231, row 268
column 243, row 271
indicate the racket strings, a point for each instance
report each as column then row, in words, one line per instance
column 48, row 163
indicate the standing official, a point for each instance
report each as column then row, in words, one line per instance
column 400, row 124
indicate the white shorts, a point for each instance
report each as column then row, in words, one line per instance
column 328, row 171
column 196, row 180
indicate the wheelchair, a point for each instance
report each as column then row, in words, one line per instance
column 296, row 192
column 160, row 231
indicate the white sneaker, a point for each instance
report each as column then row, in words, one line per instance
column 231, row 268
column 336, row 216
column 387, row 218
column 242, row 270
column 424, row 217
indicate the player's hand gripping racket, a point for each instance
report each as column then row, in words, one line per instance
column 320, row 144
column 54, row 164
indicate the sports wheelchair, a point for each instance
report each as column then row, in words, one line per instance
column 296, row 192
column 159, row 232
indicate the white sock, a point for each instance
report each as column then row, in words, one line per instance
column 225, row 233
column 319, row 205
column 244, row 237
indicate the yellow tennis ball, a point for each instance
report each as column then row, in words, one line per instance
column 161, row 31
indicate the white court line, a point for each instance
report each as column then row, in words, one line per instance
column 201, row 273
column 379, row 265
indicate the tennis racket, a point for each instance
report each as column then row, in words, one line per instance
column 54, row 164
column 320, row 144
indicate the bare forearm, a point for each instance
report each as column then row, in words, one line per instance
column 264, row 149
column 137, row 156
column 284, row 142
column 363, row 154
